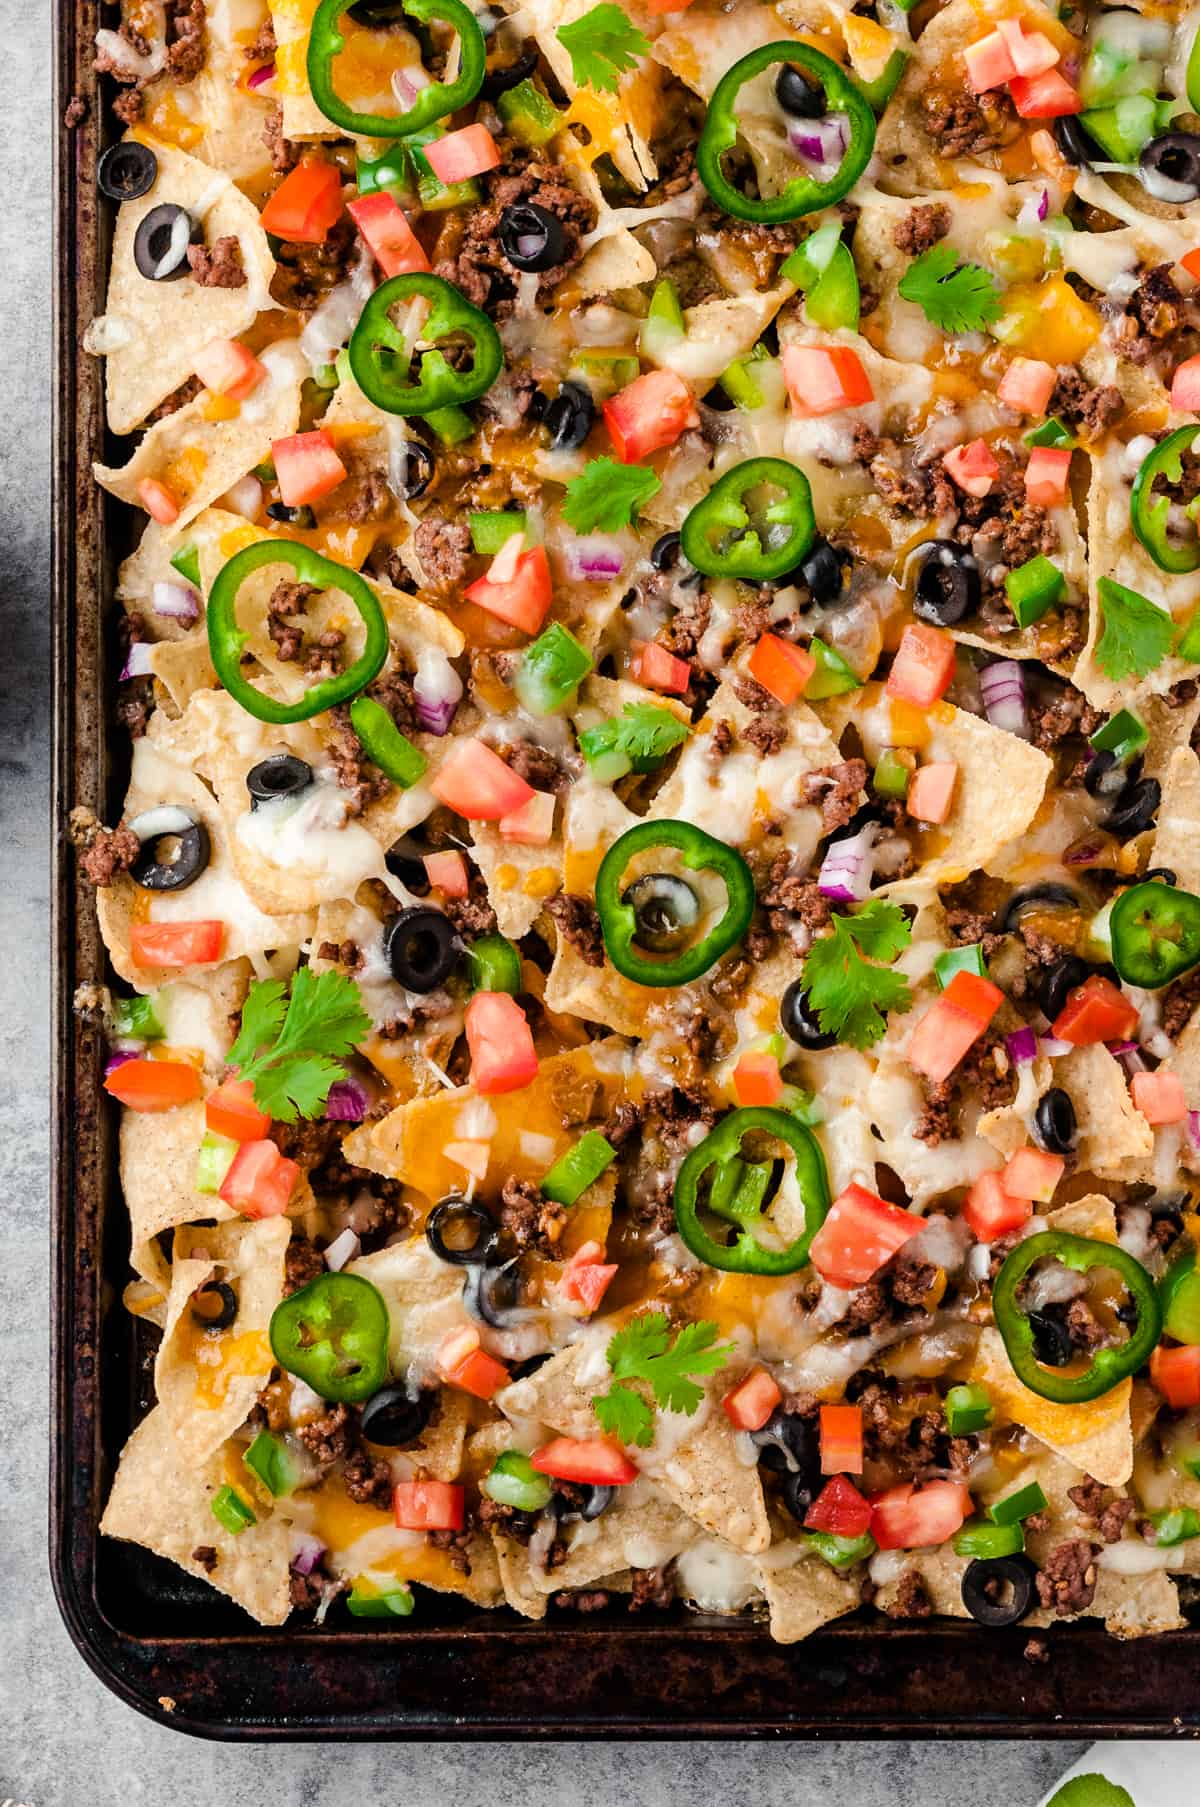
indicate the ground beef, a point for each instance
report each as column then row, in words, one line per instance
column 837, row 789
column 362, row 781
column 283, row 153
column 468, row 251
column 1066, row 1583
column 720, row 741
column 337, row 1437
column 444, row 550
column 111, row 850
column 965, row 927
column 518, row 1525
column 901, row 483
column 750, row 693
column 1108, row 1512
column 921, row 227
column 1180, row 999
column 1085, row 1332
column 1156, row 305
column 911, row 1601
column 537, row 766
column 530, row 1221
column 903, row 1426
column 367, row 498
column 368, row 1478
column 218, row 266
column 305, row 1592
column 263, row 48
column 329, row 1439
column 623, row 1122
column 652, row 1587
column 135, row 706
column 472, row 915
column 892, row 1293
column 701, row 1035
column 1062, row 714
column 586, row 1601
column 456, row 1545
column 669, row 1117
column 302, row 1262
column 766, row 734
column 1075, row 402
column 966, row 125
column 185, row 38
column 979, row 1076
column 788, row 898
column 206, row 1556
column 579, row 925
column 687, row 626
column 178, row 398
column 304, row 274
column 288, row 600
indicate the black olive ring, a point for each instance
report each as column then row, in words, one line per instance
column 192, row 849
column 457, row 1210
column 1016, row 1573
column 391, row 1418
column 422, row 948
column 223, row 1297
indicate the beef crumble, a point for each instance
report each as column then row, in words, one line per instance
column 219, row 265
column 529, row 1220
column 443, row 548
column 469, row 253
column 652, row 1587
column 837, row 790
column 302, row 1262
column 108, row 852
column 922, row 227
column 911, row 1599
column 578, row 922
column 1077, row 403
column 1066, row 1582
column 966, row 125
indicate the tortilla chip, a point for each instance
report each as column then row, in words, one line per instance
column 158, row 1170
column 519, row 878
column 940, row 1572
column 423, row 1294
column 228, row 118
column 1095, row 1437
column 164, row 1503
column 364, row 1540
column 153, row 330
column 302, row 118
column 1177, row 836
column 1111, row 1132
column 617, row 124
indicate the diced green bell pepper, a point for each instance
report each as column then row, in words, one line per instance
column 274, row 1463
column 187, row 561
column 1019, row 1505
column 368, row 1600
column 579, row 1168
column 393, row 752
column 740, row 380
column 490, row 529
column 833, row 677
column 136, row 1019
column 1034, row 588
column 494, row 964
column 551, row 671
column 985, row 1542
column 230, row 1510
column 664, row 324
column 968, row 1408
column 960, row 960
column 1123, row 734
column 606, row 371
column 450, row 425
column 1176, row 1525
column 893, row 771
column 529, row 116
column 214, row 1161
column 841, row 1552
column 1123, row 129
column 1051, row 432
column 514, row 1481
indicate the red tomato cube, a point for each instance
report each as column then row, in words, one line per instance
column 1031, row 1173
column 428, row 1505
column 1185, row 384
column 260, row 1181
column 476, row 783
column 824, row 379
column 1176, row 1374
column 227, row 368
column 447, row 872
column 588, row 1461
column 1095, row 1011
column 956, row 1020
column 586, row 1277
column 153, row 1085
column 757, row 1079
column 307, row 467
column 931, row 791
column 1027, row 385
column 923, row 667
column 840, row 1509
column 1045, row 96
column 176, row 943
column 841, row 1439
column 462, row 1363
column 972, row 467
column 1031, row 51
column 989, row 63
column 231, row 1111
column 1159, row 1097
column 533, row 824
column 649, row 414
column 1046, row 475
column 904, row 1519
column 992, row 1212
column 781, row 668
column 158, row 501
column 462, row 154
column 503, row 1057
column 860, row 1233
column 393, row 243
column 522, row 598
column 306, row 203
column 656, row 668
column 753, row 1400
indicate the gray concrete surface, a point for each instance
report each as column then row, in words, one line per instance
column 64, row 1741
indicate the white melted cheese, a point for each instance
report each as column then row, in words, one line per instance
column 314, row 834
column 715, row 1577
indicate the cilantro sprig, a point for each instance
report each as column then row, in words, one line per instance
column 958, row 297
column 608, row 495
column 291, row 1048
column 645, row 1350
column 850, row 993
column 603, row 45
column 643, row 733
column 1137, row 633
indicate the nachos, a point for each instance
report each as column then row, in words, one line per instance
column 655, row 922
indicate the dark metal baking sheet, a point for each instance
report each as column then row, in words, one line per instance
column 175, row 1649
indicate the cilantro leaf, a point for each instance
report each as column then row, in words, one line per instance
column 850, row 995
column 292, row 1054
column 643, row 734
column 608, row 495
column 625, row 1415
column 1137, row 633
column 603, row 45
column 957, row 297
column 645, row 1350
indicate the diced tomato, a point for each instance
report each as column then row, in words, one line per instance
column 227, row 368
column 753, row 1400
column 656, row 668
column 667, row 6
column 931, row 791
column 153, row 1085
column 1176, row 1374
column 860, row 1233
column 306, row 203
column 158, row 501
column 521, row 599
column 533, row 824
column 923, row 666
column 1191, row 263
column 989, row 63
column 1031, row 1173
column 904, row 1519
column 757, row 1079
column 1185, row 384
column 593, row 1461
column 586, row 1276
column 1095, row 1011
column 259, row 1181
column 475, row 783
column 231, row 1111
column 841, row 1439
column 393, row 243
column 952, row 1024
column 462, row 1363
column 1032, row 52
column 448, row 872
column 840, row 1509
column 429, row 1505
column 649, row 414
column 972, row 467
column 503, row 1057
column 1159, row 1097
column 823, row 379
column 992, row 1212
column 1046, row 475
column 1027, row 385
column 781, row 668
column 460, row 155
column 176, row 943
column 307, row 467
column 1045, row 96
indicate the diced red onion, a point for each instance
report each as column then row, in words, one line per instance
column 595, row 557
column 1193, row 1129
column 245, row 497
column 848, row 866
column 1022, row 1046
column 176, row 602
column 438, row 690
column 348, row 1101
column 118, row 1059
column 820, row 140
column 137, row 661
column 1130, row 1056
column 1003, row 687
column 307, row 1552
column 342, row 1249
column 1054, row 1049
column 408, row 82
column 262, row 76
column 1033, row 211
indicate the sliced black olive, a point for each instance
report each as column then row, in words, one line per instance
column 999, row 1591
column 797, row 1019
column 1135, row 809
column 570, row 417
column 799, row 95
column 1104, row 777
column 599, row 1500
column 127, row 171
column 667, row 910
column 175, row 849
column 453, row 1216
column 596, row 1501
column 1058, row 980
column 947, row 585
column 1166, row 875
column 821, row 571
column 302, row 516
column 787, row 1442
column 422, row 946
column 1054, row 1121
column 282, row 775
column 799, row 1491
column 491, row 1294
column 1051, row 1339
column 665, row 553
column 376, row 12
column 499, row 80
column 531, row 237
column 419, row 468
column 1173, row 157
column 1060, row 897
column 1076, row 144
column 214, row 1305
column 405, row 863
column 390, row 1417
column 160, row 244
